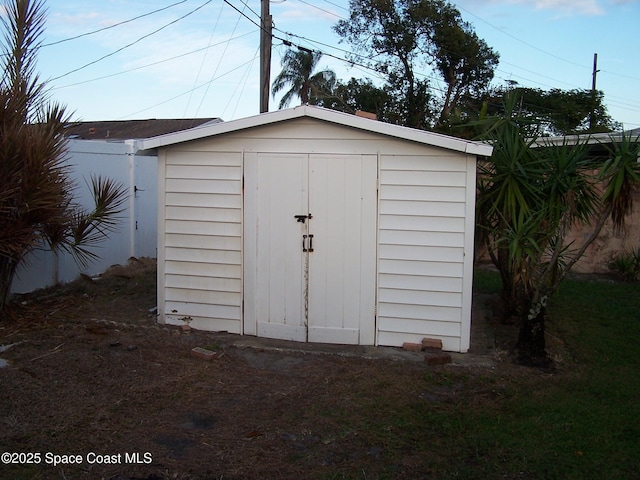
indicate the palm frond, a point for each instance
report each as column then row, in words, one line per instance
column 621, row 174
column 298, row 73
column 87, row 229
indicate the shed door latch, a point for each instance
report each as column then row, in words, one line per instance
column 302, row 218
column 307, row 246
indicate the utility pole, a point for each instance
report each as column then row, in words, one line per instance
column 592, row 117
column 265, row 56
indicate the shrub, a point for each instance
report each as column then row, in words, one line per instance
column 627, row 265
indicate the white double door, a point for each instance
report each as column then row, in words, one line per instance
column 310, row 247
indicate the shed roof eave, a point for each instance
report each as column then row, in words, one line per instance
column 420, row 136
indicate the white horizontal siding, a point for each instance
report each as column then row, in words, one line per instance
column 425, row 178
column 220, row 172
column 203, row 239
column 442, row 161
column 422, row 193
column 200, row 185
column 222, row 284
column 421, row 253
column 179, row 309
column 422, row 223
column 418, row 312
column 203, row 214
column 421, row 242
column 203, row 270
column 201, row 297
column 411, row 237
column 431, row 209
column 211, row 257
column 212, row 227
column 425, row 269
column 209, row 199
column 408, row 325
column 403, row 296
column 204, row 322
column 427, row 283
column 215, row 242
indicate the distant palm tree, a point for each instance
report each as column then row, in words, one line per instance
column 297, row 71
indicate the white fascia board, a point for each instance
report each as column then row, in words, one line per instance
column 406, row 133
column 197, row 133
column 333, row 116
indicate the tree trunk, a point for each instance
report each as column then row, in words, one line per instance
column 507, row 296
column 530, row 349
column 7, row 272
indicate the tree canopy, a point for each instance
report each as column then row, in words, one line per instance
column 400, row 37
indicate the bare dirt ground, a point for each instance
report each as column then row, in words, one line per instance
column 91, row 374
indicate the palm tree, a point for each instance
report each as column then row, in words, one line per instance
column 297, row 71
column 37, row 209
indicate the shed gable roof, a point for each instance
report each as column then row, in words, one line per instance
column 332, row 116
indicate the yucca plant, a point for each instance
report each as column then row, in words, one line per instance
column 37, row 208
column 530, row 195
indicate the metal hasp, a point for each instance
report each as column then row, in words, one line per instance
column 302, row 218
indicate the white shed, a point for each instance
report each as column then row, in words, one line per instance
column 313, row 225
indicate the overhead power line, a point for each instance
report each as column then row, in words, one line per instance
column 204, row 57
column 522, row 41
column 132, row 43
column 190, row 90
column 322, row 9
column 358, row 61
column 112, row 26
column 122, row 72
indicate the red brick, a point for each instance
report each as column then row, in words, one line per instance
column 413, row 347
column 432, row 343
column 202, row 353
column 437, row 358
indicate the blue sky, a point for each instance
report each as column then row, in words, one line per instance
column 199, row 58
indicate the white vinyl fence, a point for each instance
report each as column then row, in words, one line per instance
column 136, row 235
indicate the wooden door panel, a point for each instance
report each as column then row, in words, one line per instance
column 276, row 259
column 342, row 199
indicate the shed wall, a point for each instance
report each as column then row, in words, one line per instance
column 422, row 237
column 201, row 264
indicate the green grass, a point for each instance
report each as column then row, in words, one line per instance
column 485, row 281
column 580, row 425
column 582, row 422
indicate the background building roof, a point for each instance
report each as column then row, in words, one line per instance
column 133, row 129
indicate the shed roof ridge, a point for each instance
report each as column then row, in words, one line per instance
column 324, row 114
